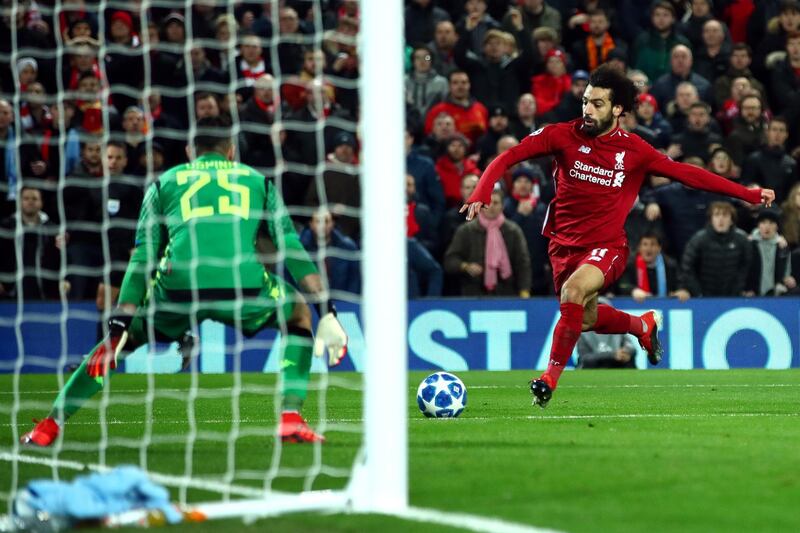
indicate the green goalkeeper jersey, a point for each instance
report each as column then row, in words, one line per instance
column 198, row 227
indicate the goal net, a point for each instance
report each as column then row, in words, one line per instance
column 105, row 96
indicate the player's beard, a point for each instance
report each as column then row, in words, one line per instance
column 593, row 127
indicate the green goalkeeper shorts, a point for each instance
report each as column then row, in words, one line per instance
column 249, row 312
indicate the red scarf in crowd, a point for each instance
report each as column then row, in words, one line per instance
column 642, row 279
column 250, row 74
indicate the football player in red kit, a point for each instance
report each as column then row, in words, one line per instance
column 599, row 169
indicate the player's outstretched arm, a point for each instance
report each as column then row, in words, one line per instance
column 536, row 144
column 699, row 178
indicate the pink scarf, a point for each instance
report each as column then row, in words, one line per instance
column 496, row 251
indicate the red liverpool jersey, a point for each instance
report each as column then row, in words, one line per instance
column 597, row 180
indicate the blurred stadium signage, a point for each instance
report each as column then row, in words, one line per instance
column 449, row 334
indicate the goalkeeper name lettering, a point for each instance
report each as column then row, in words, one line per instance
column 589, row 173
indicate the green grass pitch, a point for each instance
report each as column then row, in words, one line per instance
column 614, row 451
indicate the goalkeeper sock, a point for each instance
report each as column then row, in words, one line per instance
column 295, row 369
column 610, row 320
column 565, row 336
column 78, row 389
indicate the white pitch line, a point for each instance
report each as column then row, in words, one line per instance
column 463, row 419
column 468, row 521
column 471, row 387
column 164, row 479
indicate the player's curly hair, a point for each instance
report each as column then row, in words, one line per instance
column 623, row 92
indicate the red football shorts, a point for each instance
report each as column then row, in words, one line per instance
column 566, row 259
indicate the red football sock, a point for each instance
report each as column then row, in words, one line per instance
column 610, row 320
column 565, row 336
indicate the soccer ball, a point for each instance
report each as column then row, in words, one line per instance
column 441, row 395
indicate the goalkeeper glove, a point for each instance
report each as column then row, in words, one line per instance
column 330, row 337
column 105, row 355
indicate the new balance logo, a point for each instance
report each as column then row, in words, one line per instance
column 584, row 149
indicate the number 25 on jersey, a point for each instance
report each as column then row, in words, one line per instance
column 225, row 203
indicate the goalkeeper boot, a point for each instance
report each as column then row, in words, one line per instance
column 649, row 339
column 541, row 390
column 43, row 433
column 294, row 429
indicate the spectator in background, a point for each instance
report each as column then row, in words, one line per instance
column 133, row 128
column 605, row 350
column 290, row 48
column 648, row 117
column 435, row 144
column 428, row 185
column 443, row 47
column 680, row 72
column 498, row 127
column 89, row 106
column 34, row 112
column 784, row 77
column 257, row 143
column 618, row 59
column 770, row 166
column 683, row 210
column 730, row 110
column 721, row 163
column 640, row 81
column 422, row 20
column 203, row 70
column 340, row 47
column 453, row 166
column 778, row 32
column 477, row 21
column 712, row 57
column 27, row 72
column 424, row 86
column 770, row 271
column 83, row 209
column 549, row 87
column 571, row 105
column 424, row 272
column 205, row 105
column 717, row 258
column 495, row 74
column 526, row 207
column 39, row 249
column 336, row 251
column 546, row 39
column 591, row 52
column 523, row 123
column 471, row 117
column 535, row 14
column 790, row 218
column 697, row 140
column 342, row 186
column 490, row 255
column 738, row 66
column 692, row 27
column 748, row 128
column 650, row 272
column 295, row 89
column 250, row 65
column 123, row 67
column 452, row 220
column 652, row 47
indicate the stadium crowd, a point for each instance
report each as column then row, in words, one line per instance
column 84, row 129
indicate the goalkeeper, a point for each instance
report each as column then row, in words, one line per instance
column 198, row 224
